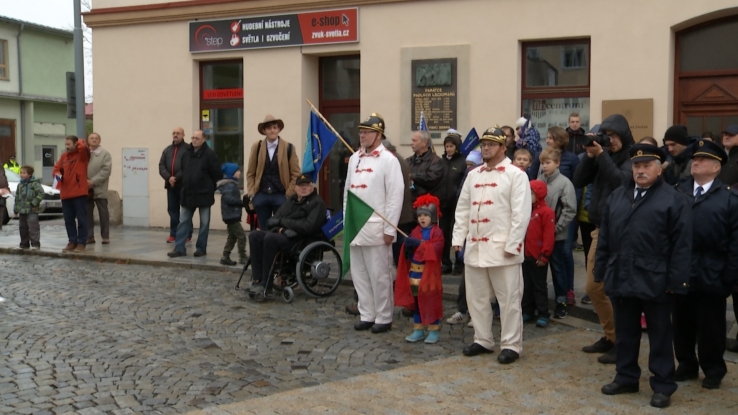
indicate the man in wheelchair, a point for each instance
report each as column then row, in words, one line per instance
column 300, row 217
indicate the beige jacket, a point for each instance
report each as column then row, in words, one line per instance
column 98, row 171
column 492, row 215
column 288, row 169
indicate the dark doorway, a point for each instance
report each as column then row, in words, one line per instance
column 7, row 140
column 339, row 104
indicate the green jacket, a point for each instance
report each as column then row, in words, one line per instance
column 28, row 196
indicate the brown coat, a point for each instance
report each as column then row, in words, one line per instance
column 288, row 169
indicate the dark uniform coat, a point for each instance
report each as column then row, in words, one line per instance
column 714, row 267
column 645, row 247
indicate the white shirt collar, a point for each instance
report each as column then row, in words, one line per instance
column 97, row 150
column 705, row 187
column 273, row 145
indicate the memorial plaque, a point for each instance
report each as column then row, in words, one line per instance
column 434, row 89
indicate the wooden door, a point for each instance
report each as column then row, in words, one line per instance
column 708, row 103
column 7, row 140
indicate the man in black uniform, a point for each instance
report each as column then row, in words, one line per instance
column 699, row 317
column 645, row 243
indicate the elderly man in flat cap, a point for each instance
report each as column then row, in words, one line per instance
column 272, row 170
column 492, row 216
column 699, row 316
column 643, row 250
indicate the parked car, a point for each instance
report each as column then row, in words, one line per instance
column 51, row 202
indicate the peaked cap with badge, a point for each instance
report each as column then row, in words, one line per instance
column 708, row 149
column 646, row 152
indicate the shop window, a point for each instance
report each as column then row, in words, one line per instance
column 221, row 110
column 4, row 71
column 556, row 83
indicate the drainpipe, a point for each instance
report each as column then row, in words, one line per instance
column 21, row 157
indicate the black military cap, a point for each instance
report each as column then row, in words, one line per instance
column 494, row 134
column 301, row 179
column 646, row 152
column 373, row 122
column 706, row 148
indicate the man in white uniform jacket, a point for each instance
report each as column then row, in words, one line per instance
column 374, row 175
column 492, row 217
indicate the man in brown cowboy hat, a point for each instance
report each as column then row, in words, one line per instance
column 272, row 170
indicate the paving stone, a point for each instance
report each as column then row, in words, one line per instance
column 132, row 338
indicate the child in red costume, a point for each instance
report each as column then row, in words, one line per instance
column 418, row 286
column 539, row 244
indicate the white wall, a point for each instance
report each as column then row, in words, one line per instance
column 146, row 81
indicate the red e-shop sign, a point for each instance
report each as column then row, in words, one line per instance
column 332, row 26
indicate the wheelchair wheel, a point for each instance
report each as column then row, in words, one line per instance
column 288, row 295
column 319, row 269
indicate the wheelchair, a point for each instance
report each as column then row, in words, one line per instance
column 313, row 264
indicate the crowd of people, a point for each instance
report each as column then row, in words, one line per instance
column 658, row 224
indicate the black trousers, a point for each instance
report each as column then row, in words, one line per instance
column 735, row 307
column 628, row 342
column 461, row 305
column 535, row 289
column 699, row 319
column 446, row 223
column 264, row 248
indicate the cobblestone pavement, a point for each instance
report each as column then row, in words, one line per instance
column 88, row 338
column 552, row 377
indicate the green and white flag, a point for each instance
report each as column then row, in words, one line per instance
column 357, row 214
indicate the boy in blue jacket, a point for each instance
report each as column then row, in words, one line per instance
column 230, row 208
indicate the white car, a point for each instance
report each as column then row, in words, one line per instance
column 51, row 202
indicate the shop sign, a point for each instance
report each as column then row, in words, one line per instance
column 229, row 93
column 298, row 29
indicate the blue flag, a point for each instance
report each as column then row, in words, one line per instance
column 470, row 142
column 320, row 141
column 423, row 125
column 334, row 226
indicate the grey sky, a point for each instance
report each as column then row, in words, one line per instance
column 54, row 13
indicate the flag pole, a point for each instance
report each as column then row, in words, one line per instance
column 391, row 224
column 315, row 110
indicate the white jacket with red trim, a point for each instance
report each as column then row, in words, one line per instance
column 492, row 215
column 376, row 179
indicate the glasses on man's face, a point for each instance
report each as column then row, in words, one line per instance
column 196, row 138
column 483, row 145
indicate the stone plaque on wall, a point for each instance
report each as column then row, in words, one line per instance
column 434, row 90
column 638, row 112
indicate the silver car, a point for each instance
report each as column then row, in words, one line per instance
column 51, row 203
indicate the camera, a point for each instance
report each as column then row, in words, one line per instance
column 600, row 138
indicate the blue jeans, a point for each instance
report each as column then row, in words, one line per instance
column 563, row 279
column 174, row 197
column 185, row 228
column 266, row 205
column 76, row 208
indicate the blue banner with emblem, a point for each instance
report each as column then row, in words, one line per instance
column 319, row 142
column 470, row 142
column 334, row 226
